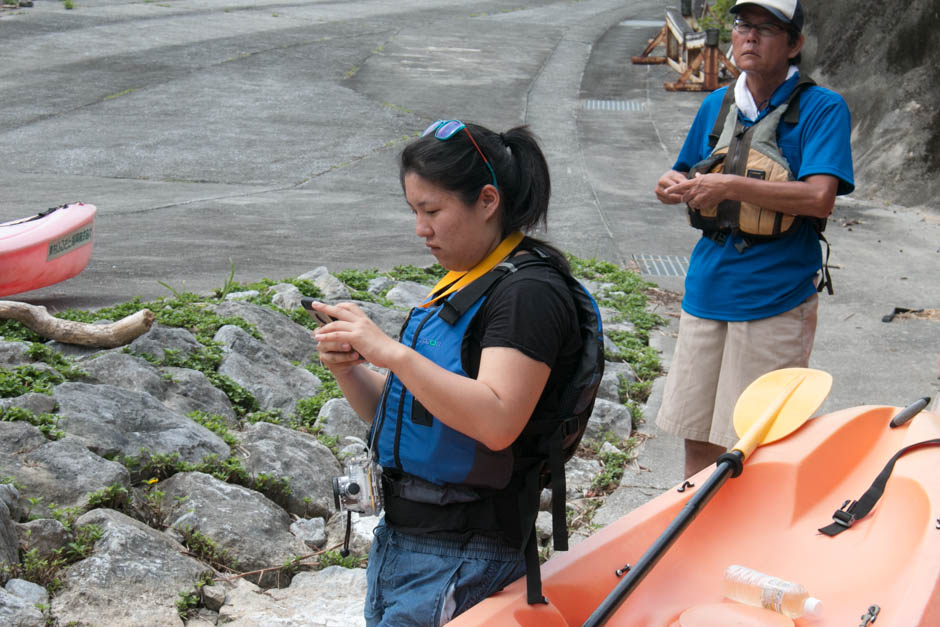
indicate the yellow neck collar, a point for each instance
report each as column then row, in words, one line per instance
column 455, row 280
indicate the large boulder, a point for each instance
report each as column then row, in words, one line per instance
column 190, row 390
column 293, row 341
column 299, row 457
column 330, row 287
column 125, row 371
column 62, row 472
column 133, row 577
column 8, row 540
column 331, row 597
column 273, row 380
column 252, row 531
column 160, row 339
column 338, row 418
column 20, row 612
column 113, row 421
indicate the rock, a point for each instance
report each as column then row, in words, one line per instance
column 338, row 418
column 286, row 296
column 160, row 339
column 36, row 403
column 19, row 612
column 332, row 597
column 311, row 530
column 62, row 472
column 114, row 421
column 190, row 390
column 28, row 591
column 292, row 341
column 16, row 504
column 247, row 527
column 299, row 457
column 579, row 474
column 14, row 354
column 609, row 417
column 360, row 539
column 8, row 541
column 351, row 449
column 408, row 294
column 125, row 371
column 213, row 597
column 272, row 379
column 45, row 535
column 543, row 526
column 180, row 389
column 330, row 287
column 380, row 285
column 133, row 577
column 246, row 295
column 610, row 383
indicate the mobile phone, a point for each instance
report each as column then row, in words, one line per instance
column 319, row 316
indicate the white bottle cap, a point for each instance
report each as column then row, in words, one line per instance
column 812, row 607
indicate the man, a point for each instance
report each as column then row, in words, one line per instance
column 750, row 300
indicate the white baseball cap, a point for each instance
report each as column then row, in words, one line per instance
column 789, row 11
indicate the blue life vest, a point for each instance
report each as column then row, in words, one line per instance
column 411, row 440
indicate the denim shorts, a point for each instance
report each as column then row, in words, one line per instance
column 426, row 581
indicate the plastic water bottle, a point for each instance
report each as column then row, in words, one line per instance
column 751, row 587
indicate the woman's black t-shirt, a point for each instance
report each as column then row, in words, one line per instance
column 532, row 311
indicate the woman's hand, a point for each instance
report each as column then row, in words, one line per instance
column 351, row 339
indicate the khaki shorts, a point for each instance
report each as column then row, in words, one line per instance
column 715, row 361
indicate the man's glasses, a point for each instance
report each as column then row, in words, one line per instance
column 445, row 129
column 767, row 29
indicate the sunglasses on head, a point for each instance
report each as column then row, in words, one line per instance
column 445, row 129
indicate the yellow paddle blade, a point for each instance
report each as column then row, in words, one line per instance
column 777, row 404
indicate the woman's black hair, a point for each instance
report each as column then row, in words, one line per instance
column 521, row 171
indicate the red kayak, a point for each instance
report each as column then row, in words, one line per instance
column 46, row 248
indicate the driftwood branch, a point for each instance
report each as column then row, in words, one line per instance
column 38, row 320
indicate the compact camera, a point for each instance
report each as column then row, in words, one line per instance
column 360, row 489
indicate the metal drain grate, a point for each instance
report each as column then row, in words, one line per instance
column 662, row 265
column 614, row 105
column 643, row 23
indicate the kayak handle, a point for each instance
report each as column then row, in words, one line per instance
column 909, row 412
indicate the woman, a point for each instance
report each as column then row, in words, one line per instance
column 460, row 389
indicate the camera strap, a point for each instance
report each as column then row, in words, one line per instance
column 345, row 550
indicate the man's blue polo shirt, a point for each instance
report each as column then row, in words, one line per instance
column 771, row 277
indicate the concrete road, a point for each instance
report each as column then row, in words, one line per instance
column 264, row 134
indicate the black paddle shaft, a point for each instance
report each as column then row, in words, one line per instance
column 729, row 464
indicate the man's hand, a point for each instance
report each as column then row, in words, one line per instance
column 702, row 191
column 664, row 187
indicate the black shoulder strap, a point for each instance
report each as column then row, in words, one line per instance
column 792, row 116
column 852, row 511
column 459, row 303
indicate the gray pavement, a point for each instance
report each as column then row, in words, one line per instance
column 264, row 134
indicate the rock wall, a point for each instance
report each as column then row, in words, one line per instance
column 120, row 499
column 884, row 58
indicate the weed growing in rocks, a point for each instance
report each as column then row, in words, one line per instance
column 44, row 571
column 24, row 379
column 207, row 550
column 48, row 424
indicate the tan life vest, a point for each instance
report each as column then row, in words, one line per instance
column 751, row 152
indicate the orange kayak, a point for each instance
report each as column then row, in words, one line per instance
column 768, row 519
column 46, row 248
